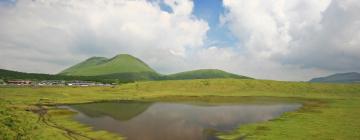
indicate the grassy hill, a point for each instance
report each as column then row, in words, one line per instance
column 122, row 77
column 110, row 78
column 122, row 68
column 351, row 77
column 203, row 74
column 129, row 68
column 8, row 75
column 96, row 66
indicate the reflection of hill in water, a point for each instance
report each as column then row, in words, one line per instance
column 117, row 110
column 175, row 121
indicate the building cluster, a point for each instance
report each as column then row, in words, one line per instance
column 51, row 83
column 19, row 82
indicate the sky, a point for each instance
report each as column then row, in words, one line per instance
column 293, row 40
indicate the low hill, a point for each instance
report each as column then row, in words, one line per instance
column 203, row 74
column 130, row 68
column 122, row 68
column 9, row 75
column 96, row 66
column 122, row 77
column 351, row 77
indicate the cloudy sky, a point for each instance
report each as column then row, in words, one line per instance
column 266, row 39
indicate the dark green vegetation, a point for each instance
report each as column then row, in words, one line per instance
column 351, row 77
column 331, row 111
column 9, row 75
column 203, row 74
column 122, row 68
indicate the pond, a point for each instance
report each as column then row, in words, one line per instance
column 174, row 121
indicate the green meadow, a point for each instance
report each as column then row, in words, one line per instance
column 329, row 111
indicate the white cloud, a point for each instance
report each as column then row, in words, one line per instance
column 180, row 7
column 298, row 35
column 267, row 27
column 72, row 30
column 278, row 39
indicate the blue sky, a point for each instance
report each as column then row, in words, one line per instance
column 211, row 10
column 7, row 2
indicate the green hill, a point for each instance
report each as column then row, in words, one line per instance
column 110, row 78
column 121, row 69
column 129, row 68
column 351, row 77
column 9, row 75
column 203, row 74
column 96, row 66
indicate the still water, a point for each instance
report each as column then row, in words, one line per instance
column 174, row 121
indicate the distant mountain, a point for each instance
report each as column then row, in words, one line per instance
column 351, row 77
column 203, row 74
column 96, row 66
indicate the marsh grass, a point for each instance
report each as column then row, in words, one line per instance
column 330, row 111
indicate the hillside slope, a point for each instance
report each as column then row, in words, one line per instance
column 96, row 66
column 203, row 74
column 110, row 78
column 130, row 68
column 351, row 77
column 9, row 75
column 121, row 68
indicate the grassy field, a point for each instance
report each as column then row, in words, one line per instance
column 330, row 111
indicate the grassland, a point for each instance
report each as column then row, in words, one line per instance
column 330, row 111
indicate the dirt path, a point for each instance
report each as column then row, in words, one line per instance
column 45, row 118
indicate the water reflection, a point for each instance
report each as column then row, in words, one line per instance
column 174, row 121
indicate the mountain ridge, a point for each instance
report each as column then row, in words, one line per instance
column 95, row 66
column 349, row 77
column 204, row 74
column 120, row 68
